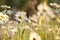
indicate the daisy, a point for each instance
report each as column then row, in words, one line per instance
column 3, row 18
column 34, row 36
column 20, row 16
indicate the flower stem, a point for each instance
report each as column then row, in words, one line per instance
column 19, row 31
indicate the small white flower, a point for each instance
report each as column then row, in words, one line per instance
column 9, row 12
column 34, row 18
column 45, row 9
column 5, row 6
column 3, row 18
column 20, row 16
column 12, row 31
column 51, row 4
column 55, row 4
column 34, row 36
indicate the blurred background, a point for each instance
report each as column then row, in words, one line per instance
column 19, row 3
column 25, row 4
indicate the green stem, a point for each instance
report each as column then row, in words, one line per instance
column 19, row 31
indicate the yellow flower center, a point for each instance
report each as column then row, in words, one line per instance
column 20, row 17
column 2, row 17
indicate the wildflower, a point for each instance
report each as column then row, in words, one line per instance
column 20, row 16
column 3, row 18
column 34, row 18
column 51, row 4
column 55, row 4
column 5, row 6
column 44, row 8
column 34, row 36
column 12, row 30
column 9, row 12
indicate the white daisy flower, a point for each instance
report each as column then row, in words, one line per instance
column 51, row 4
column 20, row 16
column 34, row 36
column 3, row 18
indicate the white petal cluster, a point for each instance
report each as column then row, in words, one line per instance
column 3, row 18
column 20, row 16
column 55, row 4
column 5, row 6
